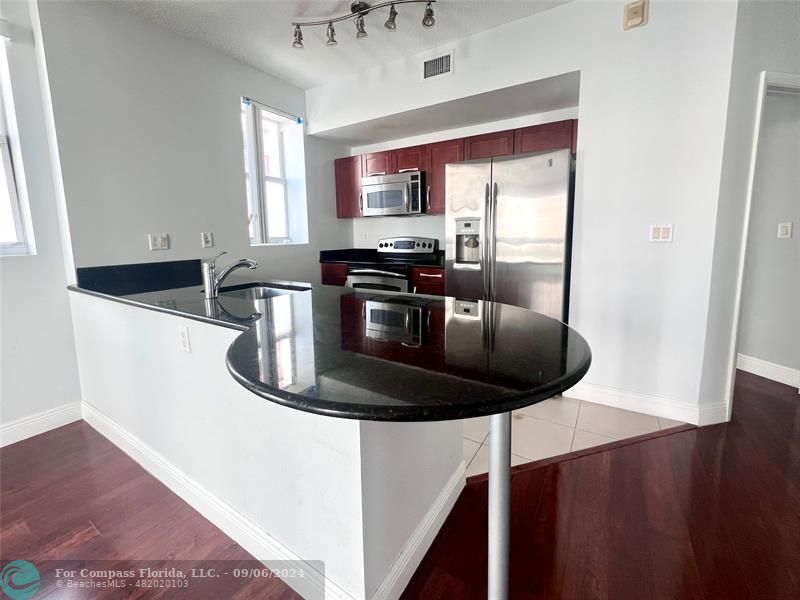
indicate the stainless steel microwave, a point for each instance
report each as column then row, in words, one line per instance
column 389, row 195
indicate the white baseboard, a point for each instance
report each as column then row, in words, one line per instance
column 772, row 371
column 241, row 529
column 656, row 406
column 32, row 425
column 417, row 545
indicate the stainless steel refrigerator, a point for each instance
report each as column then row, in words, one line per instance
column 508, row 230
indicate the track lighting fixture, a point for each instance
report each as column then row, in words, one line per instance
column 331, row 36
column 427, row 20
column 298, row 38
column 358, row 10
column 391, row 23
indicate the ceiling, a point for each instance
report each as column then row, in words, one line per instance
column 259, row 32
column 539, row 96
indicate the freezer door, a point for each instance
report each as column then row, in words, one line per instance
column 531, row 216
column 467, row 189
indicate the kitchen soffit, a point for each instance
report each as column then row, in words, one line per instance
column 256, row 32
column 543, row 95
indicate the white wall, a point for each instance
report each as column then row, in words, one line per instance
column 770, row 328
column 38, row 370
column 149, row 132
column 766, row 39
column 652, row 119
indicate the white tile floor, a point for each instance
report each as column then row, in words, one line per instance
column 556, row 426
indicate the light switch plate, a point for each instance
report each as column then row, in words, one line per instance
column 207, row 239
column 158, row 241
column 785, row 230
column 660, row 233
column 186, row 346
column 636, row 14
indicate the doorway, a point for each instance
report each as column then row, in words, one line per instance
column 768, row 339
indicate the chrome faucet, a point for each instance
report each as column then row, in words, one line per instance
column 212, row 282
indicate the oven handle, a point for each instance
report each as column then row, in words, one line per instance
column 375, row 272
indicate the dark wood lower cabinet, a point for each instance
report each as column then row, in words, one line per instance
column 333, row 273
column 427, row 280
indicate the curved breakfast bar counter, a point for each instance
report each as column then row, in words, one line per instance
column 377, row 356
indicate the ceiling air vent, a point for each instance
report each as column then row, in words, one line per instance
column 437, row 66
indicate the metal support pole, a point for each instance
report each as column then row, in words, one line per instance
column 499, row 504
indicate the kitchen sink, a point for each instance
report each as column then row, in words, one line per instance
column 260, row 290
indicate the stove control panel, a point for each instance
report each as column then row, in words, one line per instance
column 408, row 245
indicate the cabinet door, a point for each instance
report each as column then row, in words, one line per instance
column 377, row 163
column 427, row 280
column 409, row 159
column 500, row 143
column 438, row 155
column 541, row 138
column 347, row 172
column 333, row 273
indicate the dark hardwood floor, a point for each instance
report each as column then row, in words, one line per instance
column 710, row 513
column 70, row 495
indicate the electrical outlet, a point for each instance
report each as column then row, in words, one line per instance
column 785, row 230
column 158, row 241
column 364, row 237
column 207, row 239
column 186, row 346
column 660, row 233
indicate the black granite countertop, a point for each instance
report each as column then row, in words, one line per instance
column 380, row 356
column 370, row 256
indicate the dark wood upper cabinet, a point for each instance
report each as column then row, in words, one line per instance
column 438, row 155
column 377, row 163
column 541, row 138
column 500, row 143
column 408, row 159
column 347, row 172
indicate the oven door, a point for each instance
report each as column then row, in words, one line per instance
column 385, row 199
column 368, row 279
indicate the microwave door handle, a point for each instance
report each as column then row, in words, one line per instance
column 428, row 198
column 407, row 197
column 361, row 202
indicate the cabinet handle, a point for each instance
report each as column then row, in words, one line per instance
column 414, row 291
column 435, row 276
column 376, row 173
column 429, row 197
column 361, row 202
column 407, row 170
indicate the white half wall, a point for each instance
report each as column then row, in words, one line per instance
column 149, row 132
column 652, row 117
column 38, row 371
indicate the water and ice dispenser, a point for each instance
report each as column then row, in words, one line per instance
column 468, row 243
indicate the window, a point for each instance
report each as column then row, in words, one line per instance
column 274, row 167
column 15, row 237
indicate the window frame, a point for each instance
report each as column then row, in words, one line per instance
column 21, row 246
column 11, row 159
column 257, row 178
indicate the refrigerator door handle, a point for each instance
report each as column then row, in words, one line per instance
column 487, row 217
column 491, row 241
